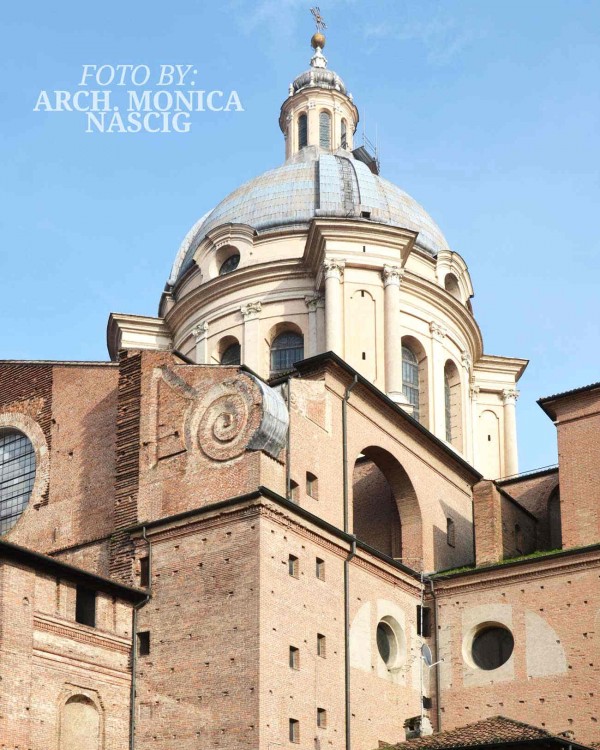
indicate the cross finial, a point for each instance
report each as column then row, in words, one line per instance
column 319, row 22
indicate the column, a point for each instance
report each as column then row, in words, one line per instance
column 312, row 345
column 251, row 343
column 334, row 270
column 511, row 460
column 474, row 393
column 200, row 333
column 465, row 397
column 437, row 421
column 392, row 332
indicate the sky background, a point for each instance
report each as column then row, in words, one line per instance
column 486, row 112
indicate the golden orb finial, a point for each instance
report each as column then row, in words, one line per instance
column 317, row 40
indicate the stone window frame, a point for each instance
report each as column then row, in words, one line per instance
column 34, row 433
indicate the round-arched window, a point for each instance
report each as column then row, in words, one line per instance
column 17, row 475
column 286, row 349
column 302, row 131
column 492, row 647
column 230, row 264
column 410, row 379
column 231, row 355
column 324, row 130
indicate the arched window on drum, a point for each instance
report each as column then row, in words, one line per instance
column 286, row 349
column 410, row 379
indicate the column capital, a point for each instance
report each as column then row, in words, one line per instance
column 334, row 268
column 437, row 330
column 474, row 390
column 466, row 360
column 251, row 310
column 392, row 275
column 200, row 331
column 314, row 301
column 510, row 395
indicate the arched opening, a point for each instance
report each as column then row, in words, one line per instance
column 344, row 135
column 286, row 348
column 232, row 355
column 324, row 129
column 554, row 520
column 302, row 131
column 385, row 510
column 80, row 724
column 414, row 378
column 453, row 404
column 17, row 475
column 451, row 286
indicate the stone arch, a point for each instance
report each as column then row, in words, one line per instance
column 417, row 348
column 453, row 405
column 452, row 286
column 385, row 509
column 81, row 723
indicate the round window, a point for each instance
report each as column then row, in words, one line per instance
column 492, row 647
column 17, row 475
column 390, row 642
column 230, row 264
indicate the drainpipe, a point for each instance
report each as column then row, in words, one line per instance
column 134, row 644
column 288, row 445
column 347, row 563
column 438, row 686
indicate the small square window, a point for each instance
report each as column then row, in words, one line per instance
column 320, row 569
column 293, row 566
column 321, row 718
column 144, row 571
column 85, row 606
column 294, row 657
column 312, row 485
column 321, row 645
column 294, row 730
column 294, row 490
column 143, row 643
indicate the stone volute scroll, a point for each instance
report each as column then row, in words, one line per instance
column 236, row 415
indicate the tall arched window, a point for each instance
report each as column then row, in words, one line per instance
column 344, row 138
column 302, row 131
column 453, row 405
column 324, row 130
column 448, row 406
column 410, row 379
column 286, row 349
column 231, row 355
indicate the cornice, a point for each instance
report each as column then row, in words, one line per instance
column 79, row 633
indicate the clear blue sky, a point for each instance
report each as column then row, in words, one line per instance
column 487, row 113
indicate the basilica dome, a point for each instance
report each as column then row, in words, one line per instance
column 315, row 185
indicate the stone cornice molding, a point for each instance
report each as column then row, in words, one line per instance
column 510, row 395
column 77, row 633
column 392, row 275
column 251, row 310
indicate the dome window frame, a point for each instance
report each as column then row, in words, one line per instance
column 230, row 263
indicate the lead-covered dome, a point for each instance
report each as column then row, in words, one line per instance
column 317, row 185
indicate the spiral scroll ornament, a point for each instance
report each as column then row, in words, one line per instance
column 227, row 418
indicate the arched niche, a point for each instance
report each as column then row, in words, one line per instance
column 227, row 351
column 452, row 286
column 80, row 724
column 414, row 346
column 385, row 509
column 453, row 405
column 285, row 346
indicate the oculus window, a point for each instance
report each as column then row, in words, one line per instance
column 492, row 647
column 17, row 475
column 230, row 264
